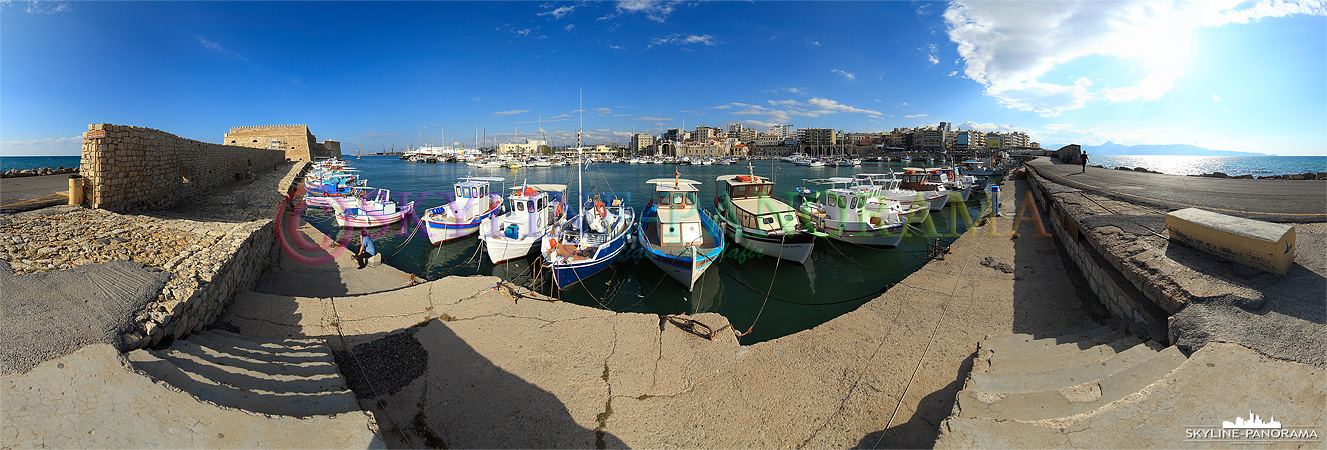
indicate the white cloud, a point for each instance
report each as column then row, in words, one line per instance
column 845, row 74
column 510, row 112
column 1216, row 98
column 569, row 27
column 656, row 10
column 39, row 6
column 954, row 73
column 782, row 111
column 654, row 119
column 48, row 141
column 219, row 49
column 558, row 13
column 933, row 59
column 1005, row 46
column 603, row 110
column 680, row 39
column 722, row 107
column 65, row 146
column 616, row 47
column 999, row 128
column 914, row 116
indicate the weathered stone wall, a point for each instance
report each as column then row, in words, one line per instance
column 1116, row 291
column 204, row 282
column 131, row 167
column 296, row 141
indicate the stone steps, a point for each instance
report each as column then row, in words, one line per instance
column 1026, row 378
column 261, row 376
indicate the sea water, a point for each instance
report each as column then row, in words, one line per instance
column 1230, row 165
column 37, row 162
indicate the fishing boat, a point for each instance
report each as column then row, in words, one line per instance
column 461, row 216
column 958, row 187
column 916, row 205
column 532, row 212
column 590, row 241
column 853, row 216
column 753, row 218
column 678, row 236
column 374, row 210
column 916, row 179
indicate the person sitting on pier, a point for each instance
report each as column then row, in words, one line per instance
column 366, row 249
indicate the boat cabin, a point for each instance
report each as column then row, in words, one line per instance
column 678, row 213
column 917, row 179
column 532, row 207
column 876, row 181
column 753, row 203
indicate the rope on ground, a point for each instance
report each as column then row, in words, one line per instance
column 943, row 310
column 367, row 380
column 691, row 326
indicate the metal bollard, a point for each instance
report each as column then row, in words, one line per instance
column 995, row 200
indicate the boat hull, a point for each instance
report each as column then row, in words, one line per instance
column 857, row 232
column 689, row 263
column 567, row 273
column 793, row 247
column 443, row 229
column 502, row 249
column 354, row 218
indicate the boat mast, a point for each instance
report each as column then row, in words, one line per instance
column 580, row 169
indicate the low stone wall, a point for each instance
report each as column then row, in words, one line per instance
column 1120, row 294
column 203, row 283
column 127, row 167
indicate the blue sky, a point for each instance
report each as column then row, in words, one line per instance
column 1236, row 75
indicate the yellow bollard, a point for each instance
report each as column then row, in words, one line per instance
column 75, row 189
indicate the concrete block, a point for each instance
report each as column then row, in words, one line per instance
column 1262, row 245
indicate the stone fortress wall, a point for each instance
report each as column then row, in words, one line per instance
column 128, row 167
column 296, row 140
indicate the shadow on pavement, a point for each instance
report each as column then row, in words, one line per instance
column 429, row 388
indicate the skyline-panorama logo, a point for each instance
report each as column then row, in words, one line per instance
column 1251, row 430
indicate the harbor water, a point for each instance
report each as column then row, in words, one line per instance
column 1257, row 166
column 836, row 279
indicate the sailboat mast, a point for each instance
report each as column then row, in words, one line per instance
column 580, row 169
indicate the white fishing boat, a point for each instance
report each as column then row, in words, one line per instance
column 916, row 179
column 916, row 205
column 461, row 216
column 853, row 216
column 374, row 210
column 533, row 210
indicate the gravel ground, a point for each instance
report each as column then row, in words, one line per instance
column 47, row 315
column 394, row 361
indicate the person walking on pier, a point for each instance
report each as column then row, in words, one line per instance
column 366, row 249
column 1083, row 161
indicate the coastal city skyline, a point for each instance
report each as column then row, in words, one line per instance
column 1241, row 76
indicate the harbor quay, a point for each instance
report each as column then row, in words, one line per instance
column 1065, row 316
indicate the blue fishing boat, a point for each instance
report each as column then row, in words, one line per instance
column 590, row 241
column 677, row 235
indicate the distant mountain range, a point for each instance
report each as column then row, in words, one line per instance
column 1111, row 148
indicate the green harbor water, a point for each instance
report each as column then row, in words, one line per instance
column 837, row 278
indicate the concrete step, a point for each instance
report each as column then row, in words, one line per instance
column 283, row 404
column 1064, row 402
column 221, row 356
column 240, row 347
column 1009, row 364
column 248, row 379
column 1068, row 335
column 1062, row 377
column 297, row 344
column 1025, row 342
column 1040, row 348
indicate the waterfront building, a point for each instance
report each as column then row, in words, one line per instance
column 782, row 131
column 704, row 133
column 742, row 134
column 296, row 140
column 769, row 140
column 641, row 141
column 816, row 137
column 529, row 147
